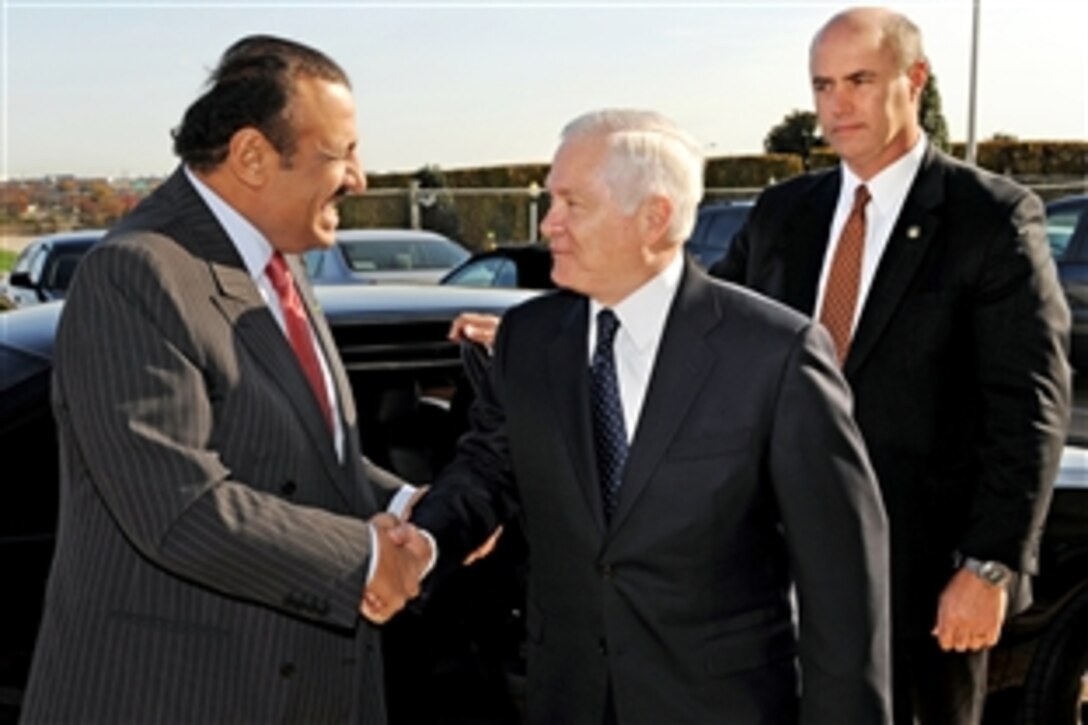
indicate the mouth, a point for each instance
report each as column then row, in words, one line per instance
column 330, row 214
column 846, row 129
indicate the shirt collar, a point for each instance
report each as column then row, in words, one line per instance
column 252, row 246
column 642, row 313
column 889, row 187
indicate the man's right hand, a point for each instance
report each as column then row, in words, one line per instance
column 475, row 327
column 403, row 555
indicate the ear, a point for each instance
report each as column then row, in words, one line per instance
column 250, row 157
column 917, row 74
column 655, row 216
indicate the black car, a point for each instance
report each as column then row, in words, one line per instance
column 44, row 269
column 1067, row 229
column 529, row 266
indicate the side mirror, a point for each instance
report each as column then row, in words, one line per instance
column 22, row 279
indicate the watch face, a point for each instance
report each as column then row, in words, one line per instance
column 992, row 572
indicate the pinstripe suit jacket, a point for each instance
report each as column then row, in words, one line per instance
column 211, row 550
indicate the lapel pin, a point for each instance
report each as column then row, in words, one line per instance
column 913, row 232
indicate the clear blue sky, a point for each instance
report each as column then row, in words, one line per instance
column 93, row 88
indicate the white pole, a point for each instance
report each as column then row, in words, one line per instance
column 971, row 153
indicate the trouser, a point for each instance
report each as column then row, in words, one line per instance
column 934, row 687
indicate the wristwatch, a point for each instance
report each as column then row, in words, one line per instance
column 991, row 572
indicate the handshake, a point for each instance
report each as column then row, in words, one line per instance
column 405, row 554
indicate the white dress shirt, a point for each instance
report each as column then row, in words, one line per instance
column 642, row 322
column 888, row 190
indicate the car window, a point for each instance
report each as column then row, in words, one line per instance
column 506, row 275
column 23, row 261
column 58, row 273
column 440, row 255
column 714, row 230
column 30, row 261
column 480, row 273
column 378, row 254
column 1060, row 226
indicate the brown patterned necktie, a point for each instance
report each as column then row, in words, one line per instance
column 299, row 333
column 844, row 279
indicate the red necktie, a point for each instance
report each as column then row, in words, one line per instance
column 298, row 330
column 844, row 279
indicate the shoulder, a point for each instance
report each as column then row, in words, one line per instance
column 545, row 311
column 740, row 310
column 970, row 187
column 796, row 187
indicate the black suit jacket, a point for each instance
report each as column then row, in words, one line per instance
column 958, row 363
column 745, row 473
column 211, row 549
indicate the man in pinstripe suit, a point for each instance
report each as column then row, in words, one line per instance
column 218, row 525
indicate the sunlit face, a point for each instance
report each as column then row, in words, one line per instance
column 596, row 248
column 866, row 103
column 303, row 190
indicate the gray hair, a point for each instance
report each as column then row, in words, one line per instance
column 897, row 32
column 647, row 154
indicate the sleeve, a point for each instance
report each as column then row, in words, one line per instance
column 476, row 492
column 836, row 530
column 1021, row 323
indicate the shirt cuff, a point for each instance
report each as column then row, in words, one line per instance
column 401, row 499
column 373, row 554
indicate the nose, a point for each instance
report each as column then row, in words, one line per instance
column 356, row 179
column 551, row 221
column 841, row 103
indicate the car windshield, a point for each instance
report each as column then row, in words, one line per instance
column 389, row 255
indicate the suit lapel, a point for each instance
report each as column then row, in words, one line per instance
column 911, row 237
column 805, row 236
column 684, row 361
column 253, row 324
column 568, row 378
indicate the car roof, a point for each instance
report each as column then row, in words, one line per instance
column 76, row 237
column 346, row 303
column 373, row 235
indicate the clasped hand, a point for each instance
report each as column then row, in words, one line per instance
column 403, row 555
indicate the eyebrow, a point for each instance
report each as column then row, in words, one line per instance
column 858, row 75
column 861, row 75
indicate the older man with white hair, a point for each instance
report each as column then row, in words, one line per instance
column 681, row 454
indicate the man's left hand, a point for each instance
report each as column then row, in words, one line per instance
column 970, row 614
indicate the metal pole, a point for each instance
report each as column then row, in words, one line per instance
column 413, row 204
column 534, row 211
column 971, row 153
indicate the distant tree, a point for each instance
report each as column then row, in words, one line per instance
column 930, row 115
column 796, row 134
column 440, row 213
column 1003, row 137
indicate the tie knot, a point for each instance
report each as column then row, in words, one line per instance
column 279, row 274
column 861, row 196
column 607, row 326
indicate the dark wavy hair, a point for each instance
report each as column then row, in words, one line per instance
column 251, row 87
